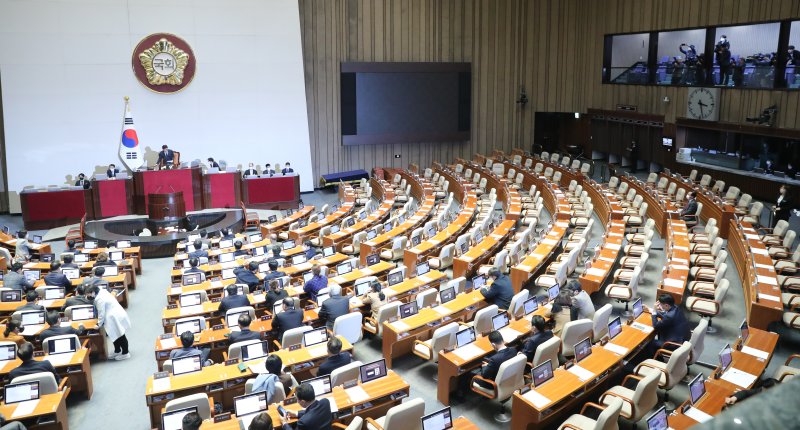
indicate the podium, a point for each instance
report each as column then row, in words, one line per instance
column 187, row 181
column 55, row 208
column 222, row 190
column 277, row 192
column 167, row 206
column 112, row 197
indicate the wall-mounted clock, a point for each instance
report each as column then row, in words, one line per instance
column 703, row 104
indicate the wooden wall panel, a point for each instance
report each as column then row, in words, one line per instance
column 553, row 48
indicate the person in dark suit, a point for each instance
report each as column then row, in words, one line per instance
column 757, row 388
column 669, row 322
column 268, row 170
column 309, row 250
column 492, row 365
column 783, row 206
column 79, row 299
column 199, row 251
column 273, row 272
column 238, row 251
column 56, row 329
column 82, row 182
column 288, row 319
column 334, row 307
column 791, row 171
column 722, row 51
column 233, row 300
column 248, row 275
column 112, row 171
column 336, row 358
column 103, row 260
column 194, row 264
column 68, row 262
column 244, row 332
column 500, row 292
column 31, row 299
column 15, row 280
column 540, row 335
column 166, row 157
column 275, row 294
column 287, row 168
column 769, row 168
column 212, row 164
column 56, row 278
column 191, row 421
column 689, row 210
column 251, row 172
column 317, row 414
column 188, row 350
column 29, row 365
column 792, row 56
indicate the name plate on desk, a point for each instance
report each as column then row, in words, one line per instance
column 295, row 347
column 222, row 417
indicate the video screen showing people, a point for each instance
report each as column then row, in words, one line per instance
column 793, row 57
column 681, row 59
column 745, row 56
column 629, row 57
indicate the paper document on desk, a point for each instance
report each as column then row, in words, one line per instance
column 400, row 326
column 424, row 279
column 509, row 334
column 259, row 367
column 611, row 260
column 752, row 236
column 681, row 248
column 25, row 408
column 160, row 385
column 739, row 377
column 611, row 233
column 755, row 352
column 59, row 359
column 594, row 271
column 765, row 266
column 697, row 415
column 175, row 290
column 767, row 280
column 760, row 251
column 216, row 284
column 581, row 373
column 191, row 310
column 642, row 327
column 357, row 394
column 768, row 297
column 318, row 350
column 616, row 349
column 538, row 400
column 674, row 283
column 562, row 224
column 680, row 261
column 31, row 330
column 547, row 241
column 468, row 352
column 613, row 246
column 442, row 310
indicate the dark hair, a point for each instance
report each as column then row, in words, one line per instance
column 198, row 244
column 666, row 299
column 194, row 261
column 187, row 339
column 769, row 383
column 288, row 302
column 237, row 245
column 203, row 233
column 316, row 269
column 54, row 265
column 791, row 46
column 261, row 421
column 273, row 264
column 71, row 243
column 31, row 296
column 308, row 243
column 305, row 392
column 80, row 289
column 16, row 266
column 99, row 271
column 14, row 323
column 494, row 272
column 191, row 421
column 244, row 320
column 562, row 300
column 274, row 285
column 538, row 322
column 163, row 146
column 232, row 289
column 67, row 258
column 22, row 233
column 334, row 345
column 52, row 318
column 376, row 287
column 274, row 364
column 210, row 159
column 495, row 337
column 253, row 266
column 276, row 250
column 25, row 351
column 574, row 285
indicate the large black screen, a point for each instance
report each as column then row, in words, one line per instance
column 405, row 102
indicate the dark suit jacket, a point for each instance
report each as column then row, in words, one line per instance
column 333, row 308
column 240, row 252
column 112, row 173
column 690, row 208
column 166, row 159
column 30, row 307
column 76, row 301
column 57, row 279
column 58, row 331
column 245, row 276
column 287, row 320
column 500, row 292
column 268, row 276
column 783, row 209
column 232, row 302
column 33, row 366
column 214, row 164
column 273, row 297
column 198, row 254
column 270, row 172
column 317, row 416
column 334, row 362
column 533, row 342
column 16, row 281
column 83, row 183
column 244, row 334
column 490, row 370
column 288, row 170
column 671, row 326
column 250, row 172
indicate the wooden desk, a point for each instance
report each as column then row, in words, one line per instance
column 10, row 243
column 468, row 262
column 379, row 270
column 50, row 412
column 284, row 223
column 206, row 310
column 676, row 272
column 713, row 207
column 49, row 209
column 133, row 253
column 757, row 271
column 592, row 280
column 276, row 192
column 345, row 236
column 536, row 260
column 566, row 391
column 346, row 207
column 711, row 403
column 399, row 336
column 77, row 369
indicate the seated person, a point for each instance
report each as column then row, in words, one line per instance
column 317, row 414
column 669, row 322
column 199, row 249
column 204, row 239
column 539, row 335
column 187, row 340
column 248, row 275
column 757, row 388
column 166, row 157
column 78, row 299
column 689, row 210
column 501, row 355
column 336, row 358
column 316, row 283
column 212, row 164
column 22, row 249
column 11, row 333
column 194, row 267
column 273, row 272
column 191, row 421
column 71, row 246
column 334, row 307
column 103, row 260
column 288, row 319
column 233, row 300
column 56, row 278
column 266, row 381
column 500, row 292
column 32, row 302
column 16, row 425
column 287, row 168
column 29, row 365
column 82, row 181
column 261, row 421
column 268, row 170
column 309, row 250
column 275, row 294
column 238, row 251
column 56, row 329
column 276, row 251
column 251, row 172
column 374, row 298
column 97, row 277
column 561, row 311
column 244, row 332
column 582, row 304
column 68, row 262
column 15, row 280
column 112, row 171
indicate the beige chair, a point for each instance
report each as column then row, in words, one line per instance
column 754, row 215
column 600, row 322
column 671, row 372
column 385, row 313
column 443, row 337
column 559, row 277
column 445, row 258
column 405, row 416
column 356, row 424
column 427, row 298
column 510, row 377
column 709, row 308
column 784, row 250
column 346, row 373
column 47, row 382
column 516, row 308
column 706, row 288
column 606, row 419
column 355, row 247
column 786, row 371
column 277, row 397
column 292, row 336
column 574, row 332
column 547, row 351
column 483, row 319
column 349, row 326
column 203, row 403
column 396, row 251
column 625, row 292
column 636, row 402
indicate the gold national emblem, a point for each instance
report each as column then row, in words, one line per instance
column 164, row 63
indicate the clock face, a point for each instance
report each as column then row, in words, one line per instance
column 703, row 103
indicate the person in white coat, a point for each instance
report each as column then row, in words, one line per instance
column 113, row 317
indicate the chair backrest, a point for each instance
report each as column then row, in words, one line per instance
column 446, row 255
column 645, row 396
column 652, row 177
column 698, row 340
column 528, row 163
column 744, row 201
column 278, row 396
column 788, row 240
column 631, row 194
column 47, row 381
column 600, row 322
column 680, row 195
column 576, row 164
column 574, row 332
column 780, row 228
column 459, row 283
column 557, row 177
column 348, row 372
column 613, row 182
column 515, row 308
column 565, row 161
column 733, row 192
column 510, row 377
column 585, row 167
column 547, row 351
column 705, row 180
column 699, row 210
column 756, row 209
column 693, row 175
column 718, row 186
column 405, row 416
column 349, row 327
column 200, row 400
column 607, row 420
column 720, row 292
column 293, row 336
column 386, row 312
column 676, row 366
column 427, row 298
column 483, row 319
column 443, row 337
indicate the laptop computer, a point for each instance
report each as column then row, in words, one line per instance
column 725, row 358
column 190, row 299
column 182, row 366
column 344, row 268
column 372, row 371
column 116, row 255
column 553, row 291
column 328, row 251
column 637, row 308
column 232, row 318
column 478, row 282
column 110, row 271
column 10, row 296
column 614, row 328
column 658, row 421
column 542, row 373
column 192, row 326
column 173, row 420
column 395, row 277
column 423, row 268
column 321, row 385
column 409, row 309
column 249, row 405
column 697, row 388
column 191, row 278
column 447, row 295
column 22, row 392
column 54, row 293
column 71, row 273
column 316, row 336
column 83, row 313
column 530, row 306
column 465, row 336
column 373, row 259
column 289, row 244
column 125, row 244
column 500, row 321
column 62, row 346
column 583, row 349
column 439, row 420
column 8, row 352
column 254, row 351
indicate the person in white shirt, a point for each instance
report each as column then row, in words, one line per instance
column 581, row 302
